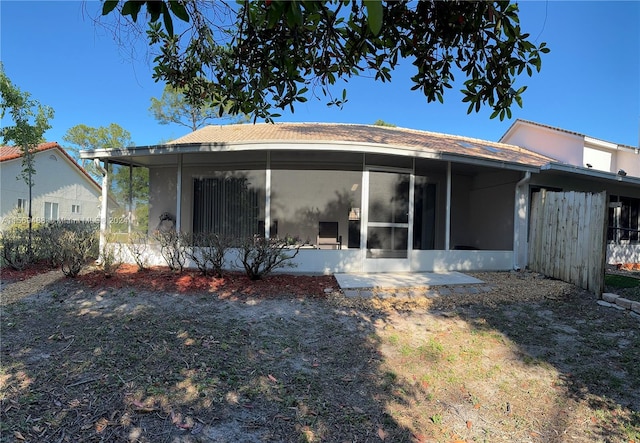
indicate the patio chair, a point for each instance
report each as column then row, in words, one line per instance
column 328, row 237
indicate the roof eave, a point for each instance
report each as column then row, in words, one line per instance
column 562, row 167
column 190, row 148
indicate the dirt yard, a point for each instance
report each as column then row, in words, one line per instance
column 160, row 357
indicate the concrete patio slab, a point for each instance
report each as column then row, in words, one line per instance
column 404, row 280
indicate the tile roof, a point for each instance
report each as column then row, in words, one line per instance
column 362, row 134
column 13, row 152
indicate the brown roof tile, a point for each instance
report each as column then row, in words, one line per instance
column 363, row 134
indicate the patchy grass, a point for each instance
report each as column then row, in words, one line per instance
column 533, row 360
column 621, row 281
column 627, row 286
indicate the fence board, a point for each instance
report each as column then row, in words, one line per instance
column 567, row 237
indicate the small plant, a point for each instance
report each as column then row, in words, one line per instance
column 78, row 244
column 47, row 242
column 110, row 257
column 172, row 248
column 15, row 248
column 138, row 245
column 259, row 256
column 207, row 251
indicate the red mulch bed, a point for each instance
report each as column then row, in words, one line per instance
column 9, row 275
column 231, row 285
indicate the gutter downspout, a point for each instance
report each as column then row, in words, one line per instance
column 520, row 206
column 103, row 206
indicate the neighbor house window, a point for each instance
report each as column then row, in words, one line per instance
column 50, row 211
column 75, row 209
column 22, row 205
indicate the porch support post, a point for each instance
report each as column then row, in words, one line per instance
column 411, row 215
column 130, row 218
column 104, row 222
column 179, row 195
column 267, row 198
column 520, row 218
column 447, row 218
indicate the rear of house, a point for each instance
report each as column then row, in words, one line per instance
column 356, row 198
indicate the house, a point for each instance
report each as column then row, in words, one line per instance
column 359, row 198
column 62, row 189
column 584, row 163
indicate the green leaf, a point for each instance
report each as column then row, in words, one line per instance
column 132, row 8
column 168, row 22
column 518, row 100
column 179, row 10
column 109, row 6
column 155, row 9
column 374, row 15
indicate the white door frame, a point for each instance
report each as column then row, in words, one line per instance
column 376, row 264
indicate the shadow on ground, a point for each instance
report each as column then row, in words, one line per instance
column 91, row 364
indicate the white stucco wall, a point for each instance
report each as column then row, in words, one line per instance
column 562, row 146
column 57, row 180
column 630, row 162
column 574, row 149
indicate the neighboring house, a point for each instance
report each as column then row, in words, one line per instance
column 585, row 163
column 62, row 189
column 358, row 197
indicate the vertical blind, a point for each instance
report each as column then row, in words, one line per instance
column 225, row 206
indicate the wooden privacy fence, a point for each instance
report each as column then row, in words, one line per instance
column 567, row 237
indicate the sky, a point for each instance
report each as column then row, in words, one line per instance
column 589, row 82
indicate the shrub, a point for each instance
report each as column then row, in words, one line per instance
column 207, row 251
column 110, row 256
column 172, row 248
column 15, row 248
column 259, row 256
column 78, row 244
column 47, row 242
column 138, row 245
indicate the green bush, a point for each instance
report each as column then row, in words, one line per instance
column 46, row 242
column 79, row 243
column 14, row 243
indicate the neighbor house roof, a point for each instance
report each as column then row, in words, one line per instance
column 362, row 134
column 13, row 152
column 520, row 121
